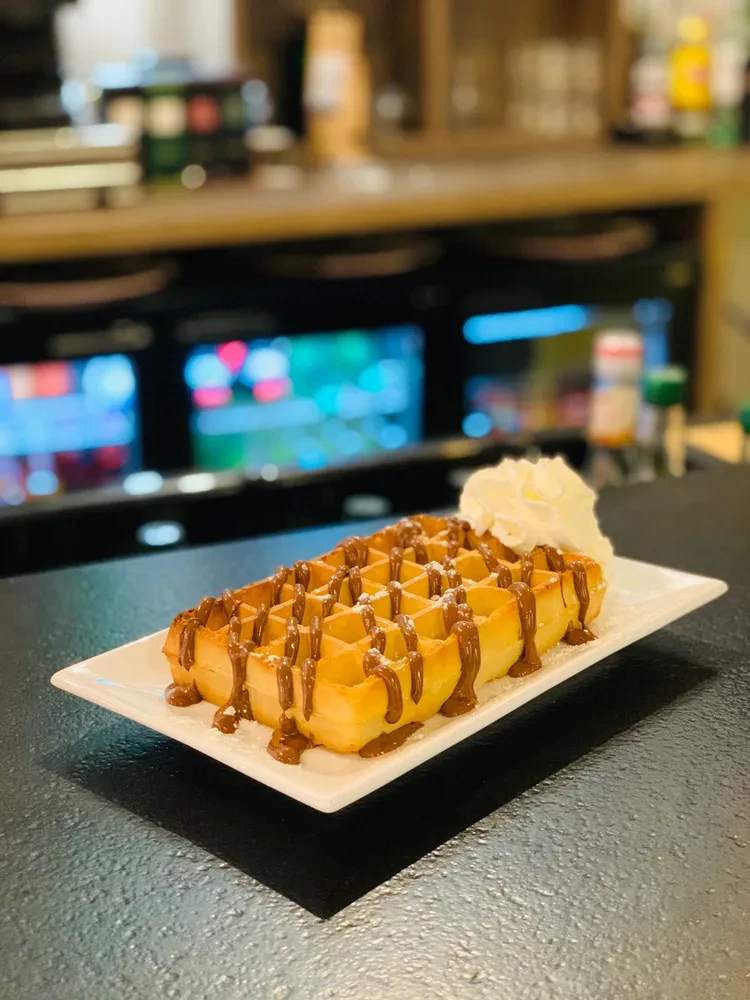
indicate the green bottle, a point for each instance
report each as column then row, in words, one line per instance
column 662, row 423
column 728, row 78
column 745, row 423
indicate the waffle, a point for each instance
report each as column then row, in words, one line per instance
column 356, row 649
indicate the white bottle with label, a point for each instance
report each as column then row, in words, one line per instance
column 649, row 106
column 336, row 87
column 615, row 404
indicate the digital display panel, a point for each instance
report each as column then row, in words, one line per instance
column 307, row 401
column 67, row 425
column 531, row 370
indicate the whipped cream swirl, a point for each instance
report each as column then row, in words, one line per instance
column 525, row 504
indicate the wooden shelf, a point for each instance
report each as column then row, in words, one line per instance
column 419, row 196
column 426, row 47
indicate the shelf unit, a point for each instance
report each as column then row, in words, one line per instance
column 473, row 76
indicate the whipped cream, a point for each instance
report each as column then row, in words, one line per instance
column 525, row 504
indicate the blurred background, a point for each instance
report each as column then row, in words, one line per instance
column 269, row 265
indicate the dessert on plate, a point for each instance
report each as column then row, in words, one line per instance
column 355, row 649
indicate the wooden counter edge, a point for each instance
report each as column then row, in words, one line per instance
column 519, row 188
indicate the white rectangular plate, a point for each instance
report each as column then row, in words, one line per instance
column 130, row 681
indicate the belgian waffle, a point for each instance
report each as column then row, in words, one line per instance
column 356, row 649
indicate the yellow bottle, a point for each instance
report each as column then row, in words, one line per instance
column 690, row 78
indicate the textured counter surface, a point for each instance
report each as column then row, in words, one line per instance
column 593, row 845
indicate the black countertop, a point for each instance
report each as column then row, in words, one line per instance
column 592, row 845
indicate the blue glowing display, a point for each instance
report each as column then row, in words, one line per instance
column 392, row 436
column 477, row 425
column 265, row 363
column 109, row 380
column 67, row 425
column 207, row 371
column 309, row 400
column 549, row 322
column 42, row 483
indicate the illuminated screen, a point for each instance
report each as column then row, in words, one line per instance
column 307, row 401
column 66, row 425
column 531, row 369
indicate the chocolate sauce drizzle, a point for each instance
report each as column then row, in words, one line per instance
column 389, row 741
column 466, row 528
column 421, row 554
column 556, row 562
column 408, row 631
column 334, row 584
column 230, row 604
column 259, row 625
column 227, row 718
column 366, row 610
column 302, row 574
column 205, row 608
column 291, row 644
column 490, row 559
column 373, row 663
column 395, row 562
column 284, row 682
column 182, row 695
column 377, row 639
column 355, row 584
column 406, row 531
column 416, row 669
column 458, row 530
column 416, row 661
column 455, row 608
column 186, row 652
column 278, row 580
column 454, row 535
column 530, row 660
column 355, row 551
column 287, row 744
column 579, row 636
column 395, row 592
column 299, row 603
column 409, row 534
column 434, row 579
column 527, row 568
column 334, row 589
column 504, row 575
column 464, row 697
column 316, row 637
column 308, row 671
column 454, row 577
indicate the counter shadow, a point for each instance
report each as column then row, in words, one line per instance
column 325, row 862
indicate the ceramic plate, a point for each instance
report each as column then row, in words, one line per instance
column 130, row 681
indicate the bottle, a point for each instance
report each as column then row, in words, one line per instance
column 613, row 414
column 728, row 80
column 336, row 86
column 649, row 108
column 690, row 80
column 662, row 426
column 745, row 423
